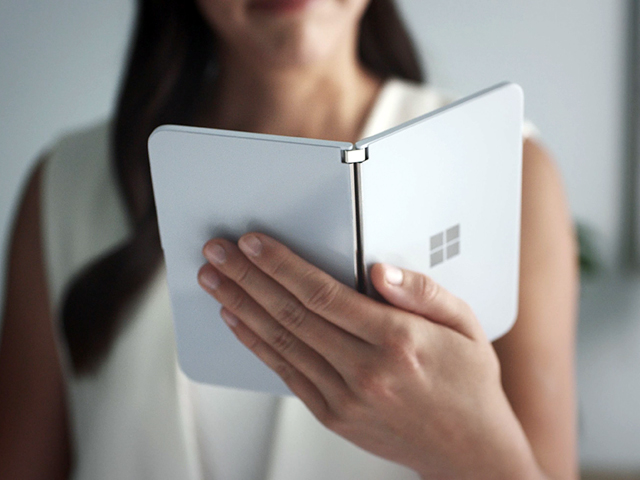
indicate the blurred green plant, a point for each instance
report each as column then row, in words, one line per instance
column 590, row 261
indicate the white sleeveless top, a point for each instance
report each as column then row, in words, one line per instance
column 139, row 417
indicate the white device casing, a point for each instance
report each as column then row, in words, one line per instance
column 223, row 184
column 343, row 209
column 457, row 167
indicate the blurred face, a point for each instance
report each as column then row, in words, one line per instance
column 283, row 33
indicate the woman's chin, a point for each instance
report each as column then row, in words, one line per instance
column 297, row 49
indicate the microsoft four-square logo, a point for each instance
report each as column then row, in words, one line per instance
column 445, row 245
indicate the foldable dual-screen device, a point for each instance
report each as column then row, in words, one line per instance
column 440, row 194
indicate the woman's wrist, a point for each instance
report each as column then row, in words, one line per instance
column 505, row 454
column 517, row 466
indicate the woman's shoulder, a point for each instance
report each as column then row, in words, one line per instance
column 419, row 97
column 78, row 159
column 82, row 214
column 82, row 147
column 401, row 100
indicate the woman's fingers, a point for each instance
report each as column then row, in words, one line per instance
column 239, row 305
column 319, row 292
column 326, row 338
column 395, row 365
column 420, row 294
column 294, row 379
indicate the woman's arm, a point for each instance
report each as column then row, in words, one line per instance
column 33, row 420
column 537, row 355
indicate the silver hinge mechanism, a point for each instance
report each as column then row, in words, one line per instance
column 357, row 155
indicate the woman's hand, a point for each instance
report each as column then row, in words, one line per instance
column 415, row 382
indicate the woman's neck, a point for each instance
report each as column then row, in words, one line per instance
column 329, row 100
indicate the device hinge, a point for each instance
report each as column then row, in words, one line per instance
column 357, row 155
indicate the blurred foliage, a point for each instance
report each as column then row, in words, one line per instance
column 590, row 261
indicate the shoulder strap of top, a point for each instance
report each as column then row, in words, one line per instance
column 82, row 213
column 401, row 100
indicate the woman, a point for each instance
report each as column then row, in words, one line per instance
column 88, row 378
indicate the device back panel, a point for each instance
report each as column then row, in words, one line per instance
column 225, row 185
column 456, row 169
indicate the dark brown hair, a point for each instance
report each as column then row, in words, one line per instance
column 172, row 54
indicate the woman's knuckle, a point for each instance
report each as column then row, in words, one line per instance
column 373, row 383
column 427, row 289
column 284, row 371
column 324, row 296
column 243, row 273
column 254, row 343
column 409, row 363
column 291, row 314
column 401, row 338
column 279, row 267
column 467, row 311
column 401, row 349
column 283, row 340
column 351, row 408
column 347, row 412
column 236, row 302
column 398, row 338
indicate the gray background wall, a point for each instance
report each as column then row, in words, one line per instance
column 60, row 64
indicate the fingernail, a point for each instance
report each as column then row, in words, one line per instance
column 250, row 245
column 215, row 253
column 210, row 279
column 393, row 275
column 229, row 318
